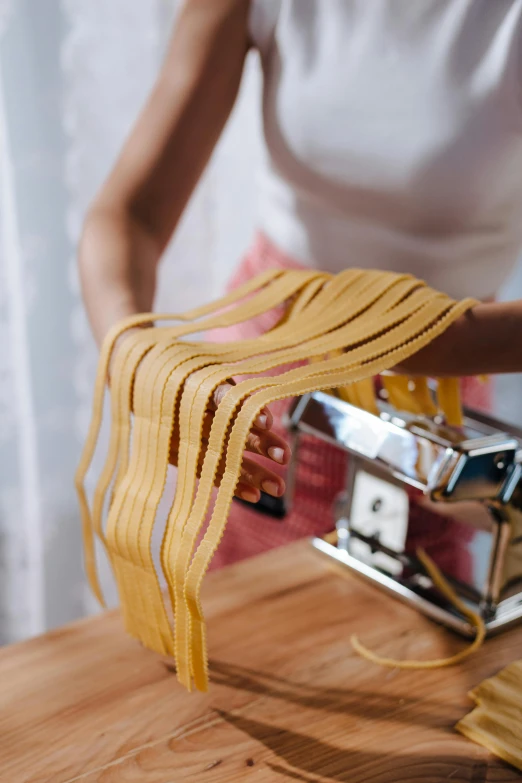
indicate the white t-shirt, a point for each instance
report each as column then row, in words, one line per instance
column 394, row 136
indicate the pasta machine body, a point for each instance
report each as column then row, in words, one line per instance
column 467, row 510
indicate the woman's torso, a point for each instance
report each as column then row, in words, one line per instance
column 394, row 136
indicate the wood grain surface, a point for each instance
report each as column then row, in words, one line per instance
column 289, row 700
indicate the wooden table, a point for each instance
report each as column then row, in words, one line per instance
column 289, row 700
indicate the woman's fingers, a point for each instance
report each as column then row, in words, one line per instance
column 268, row 444
column 253, row 479
column 245, row 492
column 256, row 476
column 263, row 442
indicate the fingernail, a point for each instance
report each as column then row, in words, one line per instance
column 262, row 421
column 272, row 488
column 277, row 454
column 250, row 495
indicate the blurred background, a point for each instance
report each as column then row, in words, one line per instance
column 73, row 75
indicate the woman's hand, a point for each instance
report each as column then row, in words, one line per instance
column 254, row 476
column 484, row 341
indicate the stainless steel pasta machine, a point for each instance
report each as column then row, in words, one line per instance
column 467, row 513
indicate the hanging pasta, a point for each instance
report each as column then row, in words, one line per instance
column 355, row 324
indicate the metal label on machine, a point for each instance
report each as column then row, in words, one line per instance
column 379, row 514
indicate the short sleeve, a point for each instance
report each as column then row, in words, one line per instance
column 262, row 22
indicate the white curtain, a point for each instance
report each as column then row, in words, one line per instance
column 72, row 78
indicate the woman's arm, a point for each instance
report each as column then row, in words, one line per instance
column 138, row 208
column 486, row 340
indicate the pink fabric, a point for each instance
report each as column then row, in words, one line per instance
column 322, row 468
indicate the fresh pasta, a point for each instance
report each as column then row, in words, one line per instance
column 496, row 721
column 445, row 588
column 354, row 325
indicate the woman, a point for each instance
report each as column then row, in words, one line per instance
column 394, row 139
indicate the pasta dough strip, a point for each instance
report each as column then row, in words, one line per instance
column 287, row 287
column 132, row 478
column 375, row 320
column 396, row 316
column 445, row 588
column 496, row 721
column 151, row 590
column 239, row 433
column 267, row 279
column 399, row 394
column 99, row 392
column 221, row 375
column 366, row 395
column 448, row 396
column 421, row 393
column 216, row 525
column 140, row 470
column 188, row 461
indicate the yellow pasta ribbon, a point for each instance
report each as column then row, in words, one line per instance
column 445, row 588
column 399, row 394
column 448, row 395
column 357, row 324
column 422, row 396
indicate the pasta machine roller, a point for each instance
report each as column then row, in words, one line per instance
column 466, row 511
